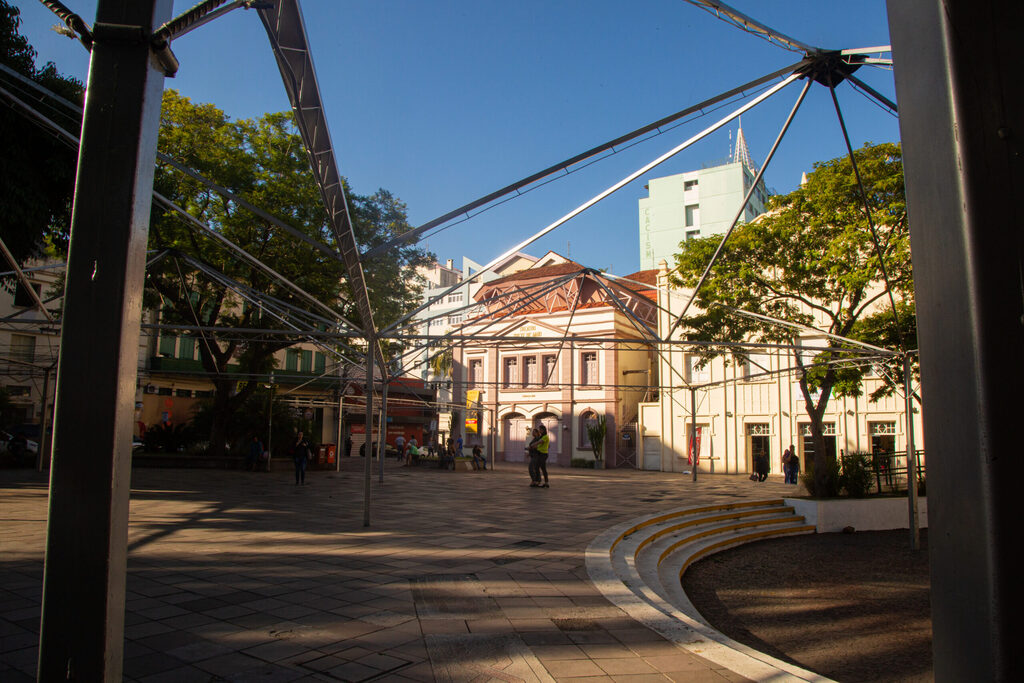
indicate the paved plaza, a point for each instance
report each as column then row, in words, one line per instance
column 242, row 576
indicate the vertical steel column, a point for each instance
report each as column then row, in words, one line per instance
column 339, row 447
column 958, row 79
column 270, row 423
column 908, row 386
column 368, row 443
column 45, row 435
column 382, row 442
column 693, row 432
column 82, row 630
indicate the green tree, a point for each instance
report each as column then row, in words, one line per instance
column 263, row 161
column 596, row 432
column 811, row 260
column 37, row 169
column 441, row 362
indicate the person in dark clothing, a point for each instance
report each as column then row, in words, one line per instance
column 348, row 446
column 255, row 453
column 761, row 466
column 447, row 458
column 479, row 461
column 300, row 452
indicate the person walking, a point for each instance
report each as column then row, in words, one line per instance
column 400, row 446
column 300, row 456
column 255, row 454
column 542, row 455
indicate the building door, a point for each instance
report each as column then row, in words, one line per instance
column 883, row 437
column 807, row 443
column 758, row 443
column 517, row 428
column 652, row 453
column 554, row 428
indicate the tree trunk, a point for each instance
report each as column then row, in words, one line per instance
column 222, row 414
column 822, row 470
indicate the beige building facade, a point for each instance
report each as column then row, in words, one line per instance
column 753, row 407
column 573, row 374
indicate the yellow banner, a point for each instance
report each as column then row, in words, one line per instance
column 472, row 397
column 472, row 425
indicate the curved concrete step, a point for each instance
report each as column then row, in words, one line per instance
column 638, row 566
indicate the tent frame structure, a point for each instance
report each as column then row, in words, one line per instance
column 84, row 634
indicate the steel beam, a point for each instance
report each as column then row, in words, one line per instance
column 958, row 83
column 287, row 33
column 82, row 631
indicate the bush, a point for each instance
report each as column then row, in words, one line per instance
column 832, row 486
column 857, row 476
column 166, row 438
column 582, row 462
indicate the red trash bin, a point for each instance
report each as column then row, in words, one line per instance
column 331, row 451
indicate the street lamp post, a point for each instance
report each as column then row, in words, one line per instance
column 270, row 421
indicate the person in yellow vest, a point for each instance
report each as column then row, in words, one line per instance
column 542, row 455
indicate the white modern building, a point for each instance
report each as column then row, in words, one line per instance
column 697, row 204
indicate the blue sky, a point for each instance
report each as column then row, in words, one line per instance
column 444, row 101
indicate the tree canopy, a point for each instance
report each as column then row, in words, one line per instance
column 263, row 162
column 37, row 169
column 812, row 260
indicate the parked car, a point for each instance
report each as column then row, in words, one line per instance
column 21, row 444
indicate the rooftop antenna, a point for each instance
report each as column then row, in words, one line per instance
column 742, row 153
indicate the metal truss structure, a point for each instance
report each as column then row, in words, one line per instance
column 285, row 28
column 284, row 25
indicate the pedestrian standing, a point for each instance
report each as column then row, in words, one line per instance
column 400, row 446
column 300, row 451
column 786, row 456
column 794, row 464
column 542, row 455
column 534, row 455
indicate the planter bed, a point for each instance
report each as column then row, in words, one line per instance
column 863, row 514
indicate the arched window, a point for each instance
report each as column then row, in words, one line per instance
column 588, row 418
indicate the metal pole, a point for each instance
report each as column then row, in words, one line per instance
column 341, row 432
column 957, row 69
column 270, row 423
column 490, row 433
column 382, row 439
column 82, row 628
column 693, row 431
column 41, row 449
column 368, row 443
column 915, row 531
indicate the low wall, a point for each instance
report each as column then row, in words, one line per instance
column 863, row 514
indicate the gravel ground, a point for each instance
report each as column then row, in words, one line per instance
column 853, row 607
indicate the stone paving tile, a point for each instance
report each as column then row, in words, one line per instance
column 242, row 576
